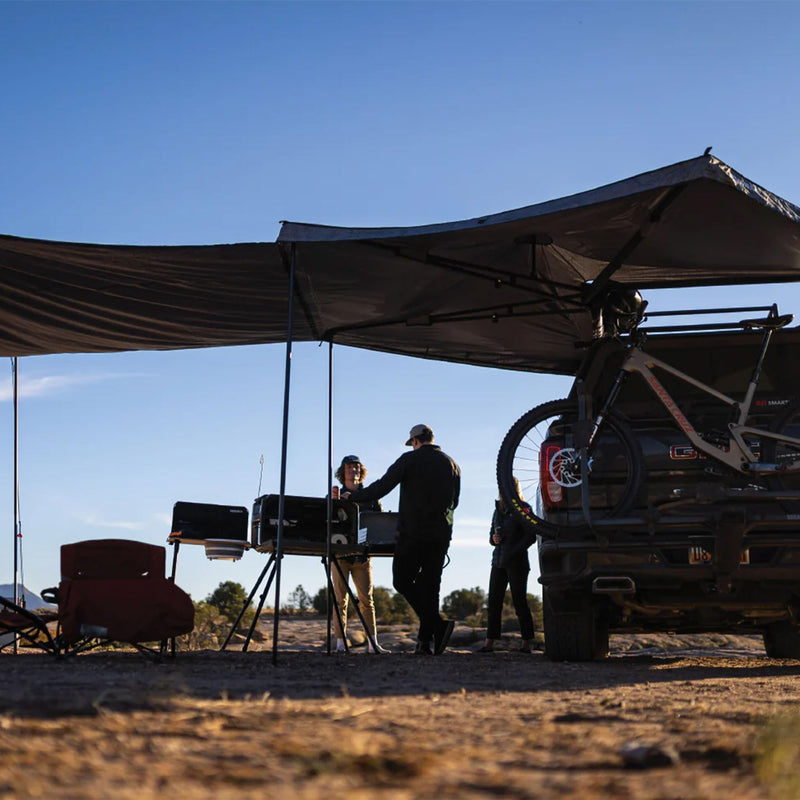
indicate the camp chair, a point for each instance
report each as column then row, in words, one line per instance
column 115, row 590
column 110, row 590
column 18, row 624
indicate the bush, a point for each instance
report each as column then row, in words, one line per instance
column 229, row 598
column 392, row 608
column 382, row 597
column 402, row 613
column 210, row 628
column 214, row 616
column 320, row 601
column 464, row 603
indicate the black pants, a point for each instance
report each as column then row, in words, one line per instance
column 499, row 579
column 417, row 575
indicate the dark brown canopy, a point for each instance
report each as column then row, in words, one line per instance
column 508, row 290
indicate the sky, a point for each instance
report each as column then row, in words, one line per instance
column 210, row 122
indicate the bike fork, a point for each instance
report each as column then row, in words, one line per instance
column 591, row 433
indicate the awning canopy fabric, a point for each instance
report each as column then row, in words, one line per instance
column 509, row 290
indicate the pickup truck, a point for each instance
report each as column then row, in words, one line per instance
column 703, row 548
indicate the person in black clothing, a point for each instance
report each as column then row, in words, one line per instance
column 430, row 483
column 510, row 566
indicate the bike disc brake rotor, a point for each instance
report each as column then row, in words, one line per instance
column 565, row 467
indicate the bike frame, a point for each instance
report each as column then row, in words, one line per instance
column 738, row 456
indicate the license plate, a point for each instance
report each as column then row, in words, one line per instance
column 697, row 555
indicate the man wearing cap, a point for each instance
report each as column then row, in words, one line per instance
column 430, row 483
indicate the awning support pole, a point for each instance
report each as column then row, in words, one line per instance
column 17, row 593
column 284, row 443
column 601, row 281
column 331, row 599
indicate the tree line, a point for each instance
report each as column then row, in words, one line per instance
column 215, row 615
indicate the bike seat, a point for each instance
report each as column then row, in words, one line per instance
column 768, row 323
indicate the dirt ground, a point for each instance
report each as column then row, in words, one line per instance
column 706, row 717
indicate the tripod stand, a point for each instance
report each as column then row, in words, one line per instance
column 269, row 573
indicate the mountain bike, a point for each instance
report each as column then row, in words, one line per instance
column 576, row 467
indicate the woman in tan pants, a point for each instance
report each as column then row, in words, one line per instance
column 351, row 475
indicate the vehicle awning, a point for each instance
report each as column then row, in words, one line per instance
column 510, row 290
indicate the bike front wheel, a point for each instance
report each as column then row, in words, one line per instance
column 540, row 459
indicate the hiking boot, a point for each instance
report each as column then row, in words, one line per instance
column 423, row 649
column 442, row 636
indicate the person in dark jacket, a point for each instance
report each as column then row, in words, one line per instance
column 510, row 567
column 430, row 484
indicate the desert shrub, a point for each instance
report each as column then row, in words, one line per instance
column 382, row 597
column 391, row 608
column 210, row 628
column 320, row 601
column 464, row 603
column 402, row 613
column 227, row 600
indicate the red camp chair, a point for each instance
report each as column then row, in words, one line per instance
column 115, row 590
column 110, row 590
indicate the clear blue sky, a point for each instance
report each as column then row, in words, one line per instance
column 193, row 123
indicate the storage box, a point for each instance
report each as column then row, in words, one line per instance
column 377, row 531
column 195, row 523
column 305, row 524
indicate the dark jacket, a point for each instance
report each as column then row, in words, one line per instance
column 430, row 484
column 514, row 540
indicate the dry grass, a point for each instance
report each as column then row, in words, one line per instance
column 689, row 723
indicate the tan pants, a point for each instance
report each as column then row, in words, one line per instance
column 362, row 579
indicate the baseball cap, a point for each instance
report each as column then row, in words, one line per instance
column 417, row 431
column 350, row 460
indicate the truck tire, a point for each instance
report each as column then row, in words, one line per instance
column 782, row 640
column 575, row 626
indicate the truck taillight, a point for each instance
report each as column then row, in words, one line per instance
column 552, row 493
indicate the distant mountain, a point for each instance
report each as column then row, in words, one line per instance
column 32, row 601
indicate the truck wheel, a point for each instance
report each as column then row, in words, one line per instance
column 575, row 626
column 782, row 640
